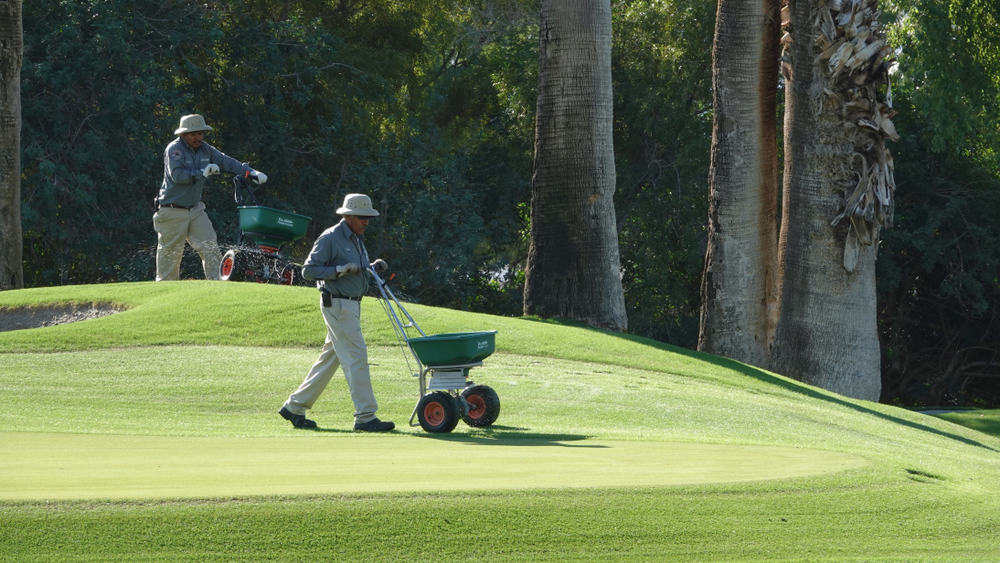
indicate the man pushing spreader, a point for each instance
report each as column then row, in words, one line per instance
column 339, row 263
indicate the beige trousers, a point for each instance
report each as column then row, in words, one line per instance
column 173, row 228
column 344, row 346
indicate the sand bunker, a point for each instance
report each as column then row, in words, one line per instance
column 35, row 317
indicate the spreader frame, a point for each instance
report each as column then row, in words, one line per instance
column 464, row 351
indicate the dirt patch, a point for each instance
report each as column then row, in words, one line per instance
column 36, row 317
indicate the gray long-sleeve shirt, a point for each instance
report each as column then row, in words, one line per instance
column 337, row 246
column 183, row 182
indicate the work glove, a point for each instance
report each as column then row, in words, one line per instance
column 258, row 176
column 379, row 266
column 210, row 170
column 352, row 268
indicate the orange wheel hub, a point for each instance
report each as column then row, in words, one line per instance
column 477, row 406
column 434, row 413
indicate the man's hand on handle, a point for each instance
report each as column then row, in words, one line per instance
column 352, row 268
column 379, row 266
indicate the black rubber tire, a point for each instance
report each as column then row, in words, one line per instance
column 437, row 412
column 233, row 266
column 484, row 406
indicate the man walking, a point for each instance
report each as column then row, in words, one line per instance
column 339, row 262
column 188, row 162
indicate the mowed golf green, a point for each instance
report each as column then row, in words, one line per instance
column 36, row 466
column 182, row 422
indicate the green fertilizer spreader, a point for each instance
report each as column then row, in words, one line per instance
column 443, row 362
column 261, row 254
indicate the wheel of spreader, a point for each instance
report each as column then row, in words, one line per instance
column 484, row 406
column 233, row 266
column 437, row 412
column 287, row 276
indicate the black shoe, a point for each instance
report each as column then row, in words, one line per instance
column 374, row 425
column 297, row 420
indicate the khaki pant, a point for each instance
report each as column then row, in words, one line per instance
column 175, row 226
column 344, row 346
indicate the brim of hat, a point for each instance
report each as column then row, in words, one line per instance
column 192, row 129
column 357, row 212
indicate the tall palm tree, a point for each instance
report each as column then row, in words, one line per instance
column 11, row 48
column 739, row 282
column 838, row 194
column 574, row 268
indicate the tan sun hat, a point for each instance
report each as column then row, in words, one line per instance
column 357, row 204
column 192, row 123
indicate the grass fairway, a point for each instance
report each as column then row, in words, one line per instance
column 152, row 434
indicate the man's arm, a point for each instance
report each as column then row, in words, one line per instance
column 316, row 266
column 226, row 162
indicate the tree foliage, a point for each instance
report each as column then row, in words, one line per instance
column 949, row 65
column 938, row 285
column 410, row 102
column 663, row 127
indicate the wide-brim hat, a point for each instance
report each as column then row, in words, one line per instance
column 192, row 123
column 357, row 204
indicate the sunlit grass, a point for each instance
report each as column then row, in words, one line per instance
column 193, row 364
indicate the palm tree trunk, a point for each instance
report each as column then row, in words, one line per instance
column 837, row 196
column 739, row 282
column 574, row 269
column 11, row 47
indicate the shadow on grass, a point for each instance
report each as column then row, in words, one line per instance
column 512, row 436
column 329, row 430
column 761, row 375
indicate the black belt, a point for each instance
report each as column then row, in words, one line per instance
column 329, row 294
column 175, row 206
